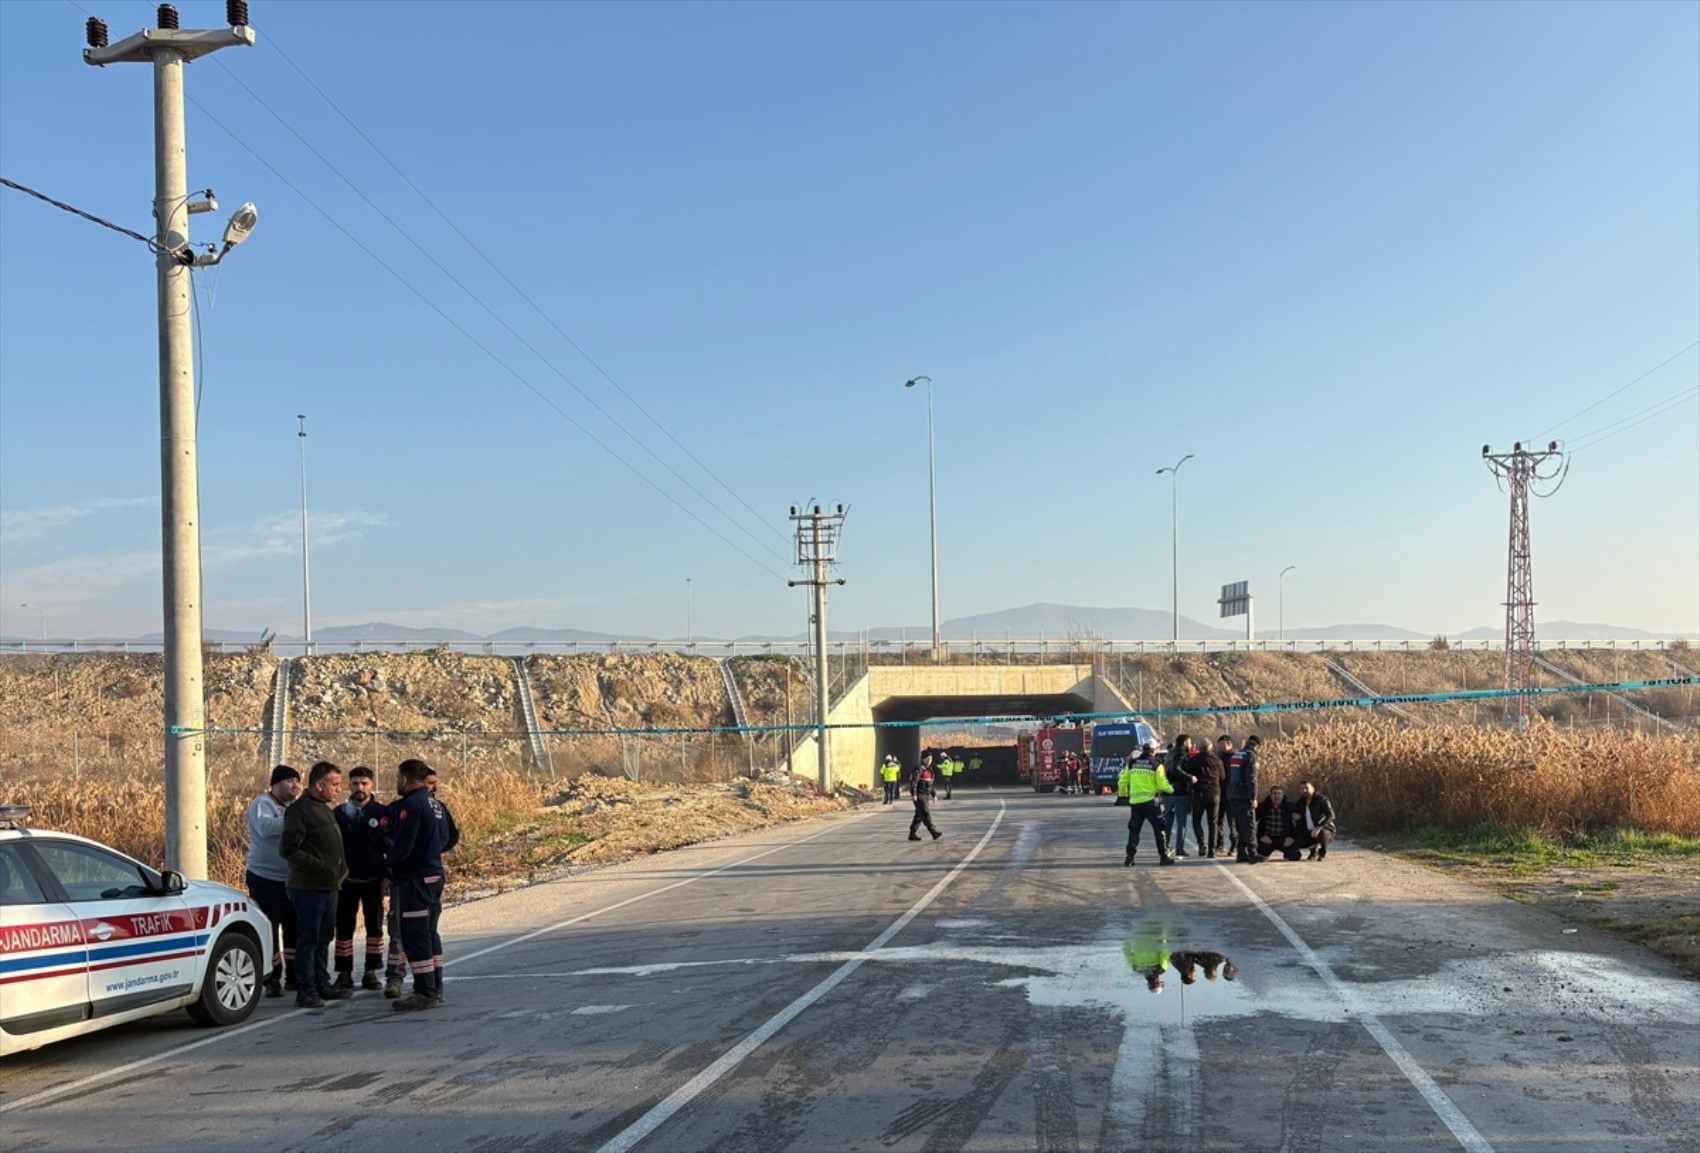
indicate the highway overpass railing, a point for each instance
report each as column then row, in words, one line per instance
column 867, row 651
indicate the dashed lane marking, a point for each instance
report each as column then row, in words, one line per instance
column 686, row 1093
column 1450, row 1115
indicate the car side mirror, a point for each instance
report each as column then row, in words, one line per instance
column 172, row 881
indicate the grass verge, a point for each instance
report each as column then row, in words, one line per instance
column 1640, row 886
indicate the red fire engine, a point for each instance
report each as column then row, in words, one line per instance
column 1038, row 754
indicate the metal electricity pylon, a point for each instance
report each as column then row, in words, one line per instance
column 1520, row 471
column 817, row 548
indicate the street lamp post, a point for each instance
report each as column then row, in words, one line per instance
column 1281, row 589
column 932, row 505
column 1175, row 540
column 43, row 613
column 306, row 571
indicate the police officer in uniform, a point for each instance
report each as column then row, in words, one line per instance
column 921, row 789
column 1141, row 783
column 889, row 772
column 419, row 831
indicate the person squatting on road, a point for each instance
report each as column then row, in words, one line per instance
column 1206, row 769
column 1142, row 782
column 419, row 830
column 312, row 844
column 1177, row 807
column 1315, row 821
column 890, row 770
column 268, row 873
column 1241, row 794
column 365, row 825
column 921, row 791
column 1277, row 831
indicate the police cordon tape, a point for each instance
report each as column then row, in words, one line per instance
column 932, row 722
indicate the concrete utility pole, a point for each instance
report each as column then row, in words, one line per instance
column 1517, row 471
column 817, row 548
column 1174, row 472
column 168, row 49
column 932, row 508
column 306, row 571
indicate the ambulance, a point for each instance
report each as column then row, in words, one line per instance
column 90, row 939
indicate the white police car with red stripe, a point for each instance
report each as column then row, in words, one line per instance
column 90, row 938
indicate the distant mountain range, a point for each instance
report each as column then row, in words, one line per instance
column 1030, row 622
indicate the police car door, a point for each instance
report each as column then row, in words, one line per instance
column 43, row 964
column 143, row 944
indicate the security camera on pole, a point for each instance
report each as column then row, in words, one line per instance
column 168, row 48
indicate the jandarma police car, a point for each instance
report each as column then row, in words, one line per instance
column 90, row 938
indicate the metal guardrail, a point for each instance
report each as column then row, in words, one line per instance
column 915, row 652
column 528, row 713
column 277, row 718
column 732, row 694
column 1629, row 705
column 1354, row 682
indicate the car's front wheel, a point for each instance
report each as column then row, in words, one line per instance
column 231, row 987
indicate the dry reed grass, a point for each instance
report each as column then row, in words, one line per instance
column 1558, row 782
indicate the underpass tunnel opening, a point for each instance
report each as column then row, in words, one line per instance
column 927, row 724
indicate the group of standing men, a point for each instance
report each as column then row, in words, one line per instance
column 1216, row 787
column 316, row 866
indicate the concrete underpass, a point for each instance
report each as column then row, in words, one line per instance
column 921, row 692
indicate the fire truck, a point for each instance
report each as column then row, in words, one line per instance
column 1038, row 754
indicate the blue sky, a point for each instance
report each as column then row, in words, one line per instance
column 1329, row 249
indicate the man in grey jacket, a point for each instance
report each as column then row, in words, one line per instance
column 268, row 872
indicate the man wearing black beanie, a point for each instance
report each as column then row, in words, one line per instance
column 268, row 872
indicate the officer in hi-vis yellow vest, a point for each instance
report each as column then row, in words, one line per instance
column 890, row 770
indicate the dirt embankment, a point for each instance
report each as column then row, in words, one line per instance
column 82, row 714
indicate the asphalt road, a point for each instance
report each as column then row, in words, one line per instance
column 832, row 986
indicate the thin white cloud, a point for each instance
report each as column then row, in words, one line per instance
column 21, row 525
column 90, row 576
column 280, row 535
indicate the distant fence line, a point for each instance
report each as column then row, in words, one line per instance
column 904, row 651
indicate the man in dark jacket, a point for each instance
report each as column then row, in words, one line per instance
column 419, row 828
column 1240, row 791
column 1206, row 769
column 1277, row 827
column 921, row 791
column 312, row 844
column 1177, row 806
column 1315, row 817
column 365, row 825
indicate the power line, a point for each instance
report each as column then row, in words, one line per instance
column 1606, row 432
column 523, row 295
column 480, row 345
column 1615, row 392
column 588, row 399
column 88, row 216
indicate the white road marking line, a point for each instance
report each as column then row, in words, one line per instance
column 570, row 921
column 1450, row 1115
column 83, row 1082
column 730, row 1060
column 143, row 1062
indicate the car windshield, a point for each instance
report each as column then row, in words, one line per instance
column 1122, row 745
